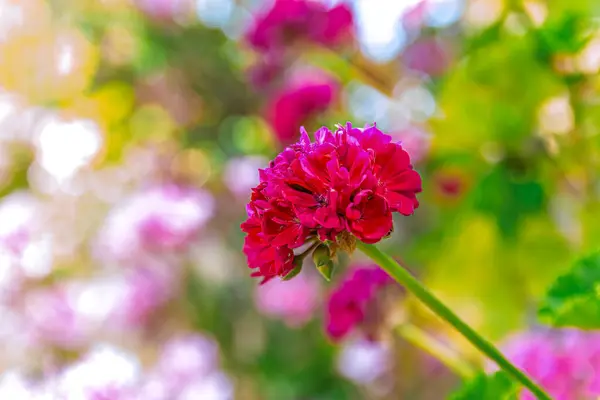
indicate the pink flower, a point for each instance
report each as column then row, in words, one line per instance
column 156, row 220
column 414, row 18
column 186, row 358
column 429, row 56
column 294, row 301
column 350, row 301
column 188, row 369
column 68, row 316
column 291, row 20
column 566, row 362
column 298, row 102
column 345, row 182
column 163, row 9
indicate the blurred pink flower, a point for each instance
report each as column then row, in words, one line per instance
column 186, row 358
column 156, row 220
column 290, row 20
column 413, row 18
column 70, row 315
column 54, row 319
column 351, row 301
column 566, row 362
column 241, row 174
column 294, row 301
column 188, row 369
column 269, row 69
column 303, row 98
column 163, row 9
column 427, row 55
column 415, row 141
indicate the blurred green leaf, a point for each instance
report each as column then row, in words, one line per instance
column 574, row 299
column 498, row 386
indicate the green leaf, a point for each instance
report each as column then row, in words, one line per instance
column 498, row 386
column 574, row 298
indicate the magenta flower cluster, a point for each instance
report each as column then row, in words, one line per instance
column 345, row 184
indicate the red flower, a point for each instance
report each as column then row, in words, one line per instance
column 291, row 20
column 345, row 182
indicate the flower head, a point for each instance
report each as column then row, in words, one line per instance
column 351, row 301
column 290, row 20
column 344, row 185
column 565, row 362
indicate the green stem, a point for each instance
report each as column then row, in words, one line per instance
column 426, row 342
column 403, row 277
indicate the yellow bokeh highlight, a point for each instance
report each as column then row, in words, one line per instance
column 152, row 122
column 48, row 66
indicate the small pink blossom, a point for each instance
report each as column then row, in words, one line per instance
column 294, row 301
column 157, row 220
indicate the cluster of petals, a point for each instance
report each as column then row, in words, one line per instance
column 346, row 182
column 565, row 362
column 350, row 302
column 308, row 20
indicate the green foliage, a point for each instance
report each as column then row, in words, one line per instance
column 574, row 299
column 498, row 386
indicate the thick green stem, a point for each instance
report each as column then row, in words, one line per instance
column 403, row 277
column 426, row 342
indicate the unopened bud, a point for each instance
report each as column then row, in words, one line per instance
column 323, row 262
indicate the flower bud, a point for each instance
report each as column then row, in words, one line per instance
column 323, row 262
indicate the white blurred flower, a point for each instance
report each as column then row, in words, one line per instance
column 216, row 386
column 363, row 361
column 105, row 370
column 63, row 147
column 25, row 251
column 13, row 386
